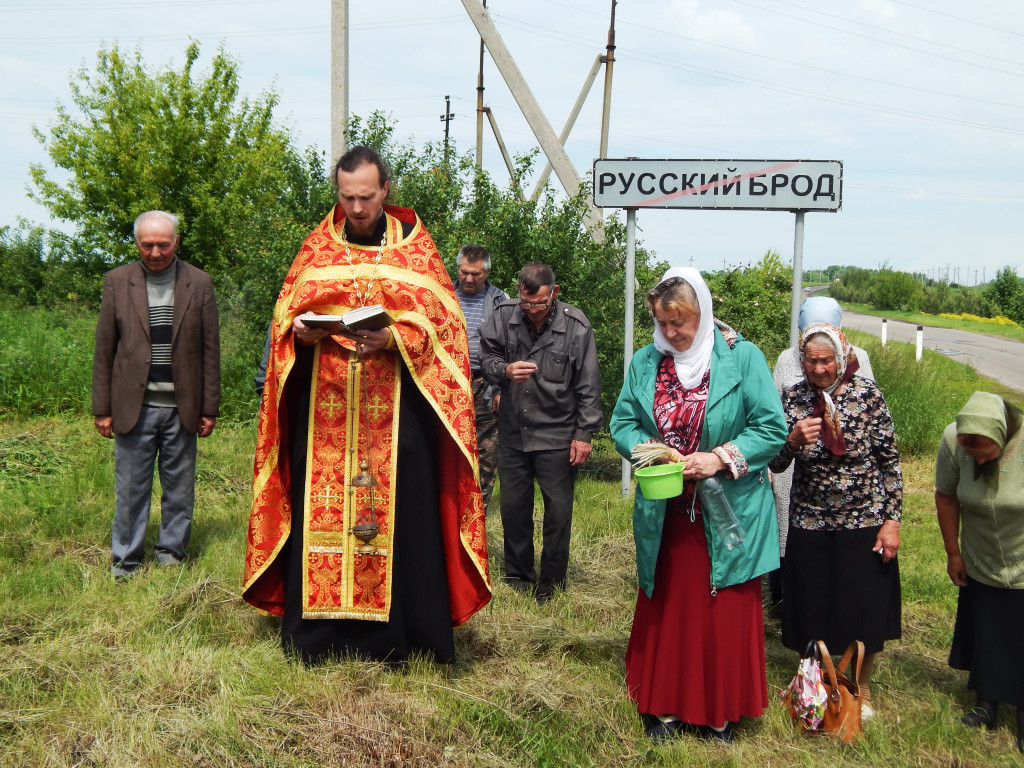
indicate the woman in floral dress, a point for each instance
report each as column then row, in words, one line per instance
column 840, row 575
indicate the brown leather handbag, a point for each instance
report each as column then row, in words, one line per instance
column 842, row 710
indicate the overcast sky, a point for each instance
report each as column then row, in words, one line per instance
column 922, row 101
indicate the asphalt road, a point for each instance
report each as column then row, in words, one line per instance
column 996, row 358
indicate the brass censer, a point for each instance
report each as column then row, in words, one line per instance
column 367, row 531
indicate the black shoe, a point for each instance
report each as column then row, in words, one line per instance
column 725, row 736
column 544, row 595
column 663, row 732
column 520, row 585
column 978, row 717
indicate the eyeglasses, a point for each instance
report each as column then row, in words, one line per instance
column 535, row 304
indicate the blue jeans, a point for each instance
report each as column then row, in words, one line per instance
column 158, row 431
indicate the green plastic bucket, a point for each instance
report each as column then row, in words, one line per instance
column 661, row 481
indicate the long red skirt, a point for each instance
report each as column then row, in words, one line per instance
column 691, row 655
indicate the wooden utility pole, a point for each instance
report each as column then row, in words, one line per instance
column 339, row 79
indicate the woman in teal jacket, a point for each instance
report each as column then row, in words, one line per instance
column 695, row 659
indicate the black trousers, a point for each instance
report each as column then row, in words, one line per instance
column 517, row 471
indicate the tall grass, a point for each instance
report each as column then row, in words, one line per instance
column 923, row 396
column 45, row 360
column 46, row 363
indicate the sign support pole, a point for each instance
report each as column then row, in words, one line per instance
column 798, row 279
column 627, row 346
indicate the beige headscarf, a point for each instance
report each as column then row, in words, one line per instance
column 846, row 366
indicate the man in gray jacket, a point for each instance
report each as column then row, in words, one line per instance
column 542, row 354
column 478, row 298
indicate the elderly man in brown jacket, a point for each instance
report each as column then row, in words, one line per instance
column 155, row 387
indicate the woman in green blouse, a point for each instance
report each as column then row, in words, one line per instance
column 979, row 498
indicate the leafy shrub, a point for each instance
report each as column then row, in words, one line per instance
column 756, row 302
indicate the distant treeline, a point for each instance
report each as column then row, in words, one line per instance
column 888, row 289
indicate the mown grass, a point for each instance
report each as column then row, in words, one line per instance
column 172, row 669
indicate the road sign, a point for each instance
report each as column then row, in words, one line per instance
column 762, row 185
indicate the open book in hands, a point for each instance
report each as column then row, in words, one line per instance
column 371, row 318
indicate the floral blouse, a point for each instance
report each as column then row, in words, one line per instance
column 679, row 414
column 860, row 489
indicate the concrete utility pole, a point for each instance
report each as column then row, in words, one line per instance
column 480, row 107
column 531, row 110
column 339, row 79
column 569, row 123
column 447, row 118
column 606, row 113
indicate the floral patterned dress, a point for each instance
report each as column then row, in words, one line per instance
column 835, row 588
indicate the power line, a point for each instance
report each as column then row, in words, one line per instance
column 871, row 26
column 814, row 95
column 896, row 45
column 820, row 69
column 545, row 32
column 958, row 18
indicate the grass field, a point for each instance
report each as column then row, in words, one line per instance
column 173, row 669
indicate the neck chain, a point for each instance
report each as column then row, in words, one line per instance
column 360, row 296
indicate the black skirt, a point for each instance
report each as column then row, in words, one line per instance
column 988, row 640
column 420, row 618
column 837, row 590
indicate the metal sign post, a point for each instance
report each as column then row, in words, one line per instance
column 796, row 186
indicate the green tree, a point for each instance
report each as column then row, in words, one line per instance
column 177, row 140
column 22, row 256
column 1007, row 291
column 895, row 290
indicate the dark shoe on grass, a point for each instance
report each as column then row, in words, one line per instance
column 980, row 716
column 662, row 732
column 725, row 735
column 521, row 586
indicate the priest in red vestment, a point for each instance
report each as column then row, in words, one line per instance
column 391, row 409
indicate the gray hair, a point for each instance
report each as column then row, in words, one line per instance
column 155, row 215
column 474, row 253
column 823, row 339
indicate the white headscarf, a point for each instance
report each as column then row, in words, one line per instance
column 692, row 363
